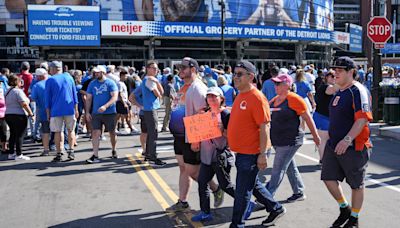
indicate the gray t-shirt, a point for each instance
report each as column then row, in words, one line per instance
column 13, row 99
column 195, row 98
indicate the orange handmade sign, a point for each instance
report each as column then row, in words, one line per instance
column 201, row 127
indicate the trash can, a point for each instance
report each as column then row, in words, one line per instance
column 391, row 105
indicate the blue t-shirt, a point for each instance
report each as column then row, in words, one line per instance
column 303, row 88
column 101, row 94
column 228, row 94
column 178, row 82
column 268, row 89
column 38, row 95
column 150, row 101
column 80, row 100
column 61, row 95
column 4, row 79
column 176, row 125
column 139, row 98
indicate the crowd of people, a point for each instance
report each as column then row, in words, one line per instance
column 256, row 112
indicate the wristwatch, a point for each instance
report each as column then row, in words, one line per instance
column 348, row 139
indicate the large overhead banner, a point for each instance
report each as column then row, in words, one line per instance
column 187, row 29
column 307, row 14
column 59, row 25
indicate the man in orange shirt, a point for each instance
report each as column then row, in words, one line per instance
column 248, row 137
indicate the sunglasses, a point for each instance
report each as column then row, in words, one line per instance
column 239, row 74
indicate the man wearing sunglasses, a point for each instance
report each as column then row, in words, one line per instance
column 248, row 137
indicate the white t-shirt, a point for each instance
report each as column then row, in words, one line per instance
column 123, row 91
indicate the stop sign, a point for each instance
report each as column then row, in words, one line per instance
column 379, row 30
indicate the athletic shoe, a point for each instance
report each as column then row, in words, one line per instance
column 71, row 155
column 114, row 154
column 296, row 197
column 22, row 158
column 57, row 158
column 156, row 162
column 12, row 156
column 218, row 197
column 45, row 153
column 343, row 217
column 351, row 223
column 274, row 216
column 249, row 210
column 202, row 217
column 93, row 159
column 103, row 138
column 179, row 207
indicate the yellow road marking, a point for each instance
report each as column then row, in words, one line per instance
column 171, row 194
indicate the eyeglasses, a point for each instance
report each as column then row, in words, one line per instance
column 239, row 74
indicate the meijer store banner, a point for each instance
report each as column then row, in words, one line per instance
column 57, row 25
column 187, row 29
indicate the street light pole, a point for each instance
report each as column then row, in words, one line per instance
column 222, row 4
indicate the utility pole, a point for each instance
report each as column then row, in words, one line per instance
column 222, row 4
column 377, row 73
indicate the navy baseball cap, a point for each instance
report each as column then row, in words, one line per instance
column 188, row 62
column 344, row 63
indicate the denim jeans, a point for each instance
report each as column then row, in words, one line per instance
column 206, row 174
column 284, row 163
column 247, row 183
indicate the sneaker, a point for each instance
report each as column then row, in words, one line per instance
column 179, row 207
column 156, row 162
column 93, row 159
column 103, row 138
column 11, row 156
column 343, row 217
column 114, row 154
column 22, row 158
column 52, row 147
column 45, row 153
column 249, row 210
column 273, row 216
column 57, row 158
column 351, row 223
column 202, row 217
column 218, row 197
column 71, row 155
column 296, row 197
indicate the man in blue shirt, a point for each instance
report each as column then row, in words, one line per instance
column 38, row 94
column 61, row 104
column 268, row 88
column 103, row 92
column 152, row 91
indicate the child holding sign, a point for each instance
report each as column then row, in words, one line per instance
column 209, row 152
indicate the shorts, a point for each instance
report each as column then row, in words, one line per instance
column 108, row 120
column 321, row 121
column 121, row 108
column 57, row 123
column 351, row 165
column 143, row 127
column 45, row 127
column 3, row 130
column 183, row 148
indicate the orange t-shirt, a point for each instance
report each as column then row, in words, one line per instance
column 249, row 111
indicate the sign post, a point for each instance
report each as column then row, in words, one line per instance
column 379, row 32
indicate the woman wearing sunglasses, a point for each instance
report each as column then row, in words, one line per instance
column 287, row 136
column 323, row 97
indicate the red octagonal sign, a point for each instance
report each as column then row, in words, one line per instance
column 379, row 30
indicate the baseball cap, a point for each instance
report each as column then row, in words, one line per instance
column 167, row 69
column 99, row 68
column 307, row 68
column 285, row 78
column 207, row 71
column 215, row 91
column 247, row 66
column 123, row 70
column 188, row 62
column 40, row 71
column 283, row 70
column 55, row 64
column 344, row 62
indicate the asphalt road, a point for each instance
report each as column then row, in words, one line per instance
column 126, row 192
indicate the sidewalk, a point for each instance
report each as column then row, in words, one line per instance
column 382, row 129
